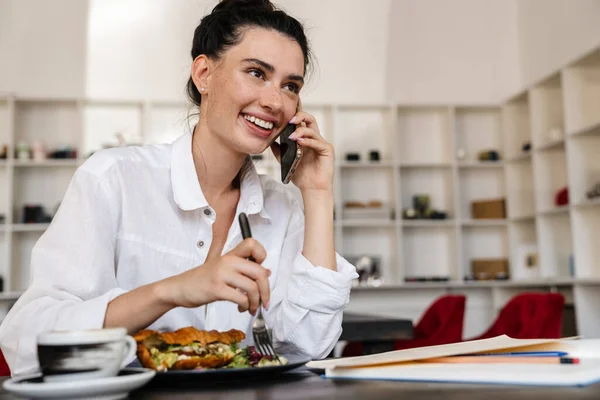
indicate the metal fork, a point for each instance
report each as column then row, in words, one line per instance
column 262, row 339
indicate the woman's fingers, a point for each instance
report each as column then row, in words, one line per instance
column 260, row 276
column 235, row 296
column 306, row 118
column 250, row 248
column 246, row 286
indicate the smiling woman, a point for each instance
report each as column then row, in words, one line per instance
column 146, row 237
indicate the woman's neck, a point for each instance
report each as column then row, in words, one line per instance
column 217, row 165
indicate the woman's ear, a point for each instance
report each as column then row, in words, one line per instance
column 201, row 69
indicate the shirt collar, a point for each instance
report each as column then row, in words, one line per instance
column 187, row 192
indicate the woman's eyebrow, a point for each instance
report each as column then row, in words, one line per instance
column 271, row 68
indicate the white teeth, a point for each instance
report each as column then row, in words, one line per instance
column 259, row 122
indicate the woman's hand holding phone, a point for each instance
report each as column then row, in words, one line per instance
column 316, row 168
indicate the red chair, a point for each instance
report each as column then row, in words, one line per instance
column 442, row 323
column 4, row 370
column 529, row 316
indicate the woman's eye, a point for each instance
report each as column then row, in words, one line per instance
column 256, row 73
column 292, row 88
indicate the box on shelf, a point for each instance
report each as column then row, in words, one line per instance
column 370, row 210
column 489, row 209
column 489, row 268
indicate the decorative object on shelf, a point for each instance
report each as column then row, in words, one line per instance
column 410, row 213
column 526, row 147
column 571, row 265
column 368, row 268
column 461, row 154
column 35, row 214
column 374, row 155
column 256, row 157
column 488, row 155
column 435, row 214
column 421, row 209
column 554, row 134
column 63, row 152
column 38, row 151
column 2, row 219
column 421, row 203
column 352, row 157
column 528, row 256
column 427, row 279
column 593, row 192
column 488, row 209
column 373, row 209
column 562, row 197
column 4, row 152
column 489, row 269
column 22, row 151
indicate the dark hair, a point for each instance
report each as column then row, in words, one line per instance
column 225, row 25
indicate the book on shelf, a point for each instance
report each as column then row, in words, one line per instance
column 500, row 361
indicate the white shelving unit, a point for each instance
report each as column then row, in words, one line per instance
column 548, row 137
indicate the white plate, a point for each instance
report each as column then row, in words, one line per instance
column 116, row 387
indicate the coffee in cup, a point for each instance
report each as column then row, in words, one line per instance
column 84, row 354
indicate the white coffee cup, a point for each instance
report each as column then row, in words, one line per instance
column 84, row 354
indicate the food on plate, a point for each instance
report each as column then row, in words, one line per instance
column 190, row 348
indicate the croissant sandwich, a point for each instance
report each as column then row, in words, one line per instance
column 186, row 348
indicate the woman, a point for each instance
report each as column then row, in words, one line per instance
column 148, row 236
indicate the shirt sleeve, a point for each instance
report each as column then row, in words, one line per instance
column 72, row 273
column 307, row 301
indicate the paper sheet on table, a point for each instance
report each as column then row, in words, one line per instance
column 499, row 343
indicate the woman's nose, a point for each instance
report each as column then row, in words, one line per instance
column 271, row 99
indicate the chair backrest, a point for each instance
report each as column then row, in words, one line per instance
column 443, row 320
column 529, row 316
column 4, row 369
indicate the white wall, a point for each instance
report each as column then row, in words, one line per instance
column 458, row 51
column 42, row 47
column 141, row 49
column 553, row 33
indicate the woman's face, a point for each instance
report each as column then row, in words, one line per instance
column 253, row 90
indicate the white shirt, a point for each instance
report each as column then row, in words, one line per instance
column 136, row 215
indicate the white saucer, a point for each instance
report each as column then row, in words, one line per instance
column 116, row 387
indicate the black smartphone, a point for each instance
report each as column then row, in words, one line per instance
column 290, row 153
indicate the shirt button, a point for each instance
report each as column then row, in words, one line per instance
column 200, row 243
column 206, row 211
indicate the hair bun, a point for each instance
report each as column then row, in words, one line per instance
column 235, row 5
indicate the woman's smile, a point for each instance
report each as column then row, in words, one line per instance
column 257, row 126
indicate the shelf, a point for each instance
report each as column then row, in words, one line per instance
column 589, row 203
column 478, row 129
column 424, row 165
column 552, row 144
column 464, row 285
column 366, row 223
column 555, row 211
column 47, row 163
column 522, row 218
column 591, row 130
column 581, row 84
column 424, row 135
column 520, row 189
column 365, row 164
column 29, row 227
column 484, row 222
column 10, row 296
column 520, row 158
column 547, row 116
column 424, row 223
column 481, row 164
